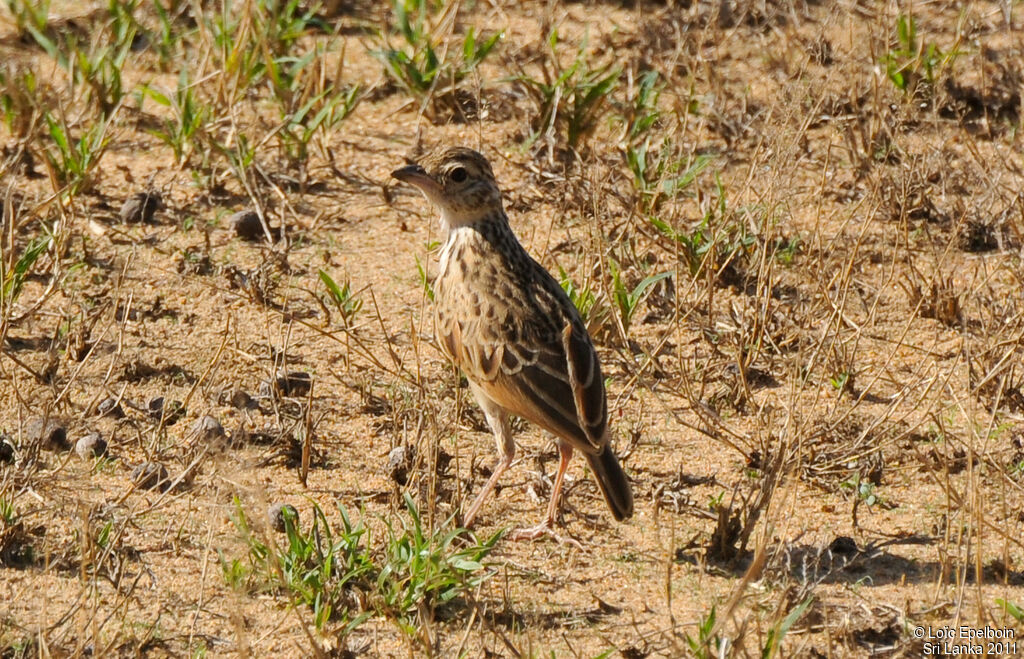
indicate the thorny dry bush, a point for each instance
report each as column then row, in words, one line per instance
column 794, row 229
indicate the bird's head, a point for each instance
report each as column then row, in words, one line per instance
column 459, row 181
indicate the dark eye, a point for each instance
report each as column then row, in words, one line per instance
column 458, row 174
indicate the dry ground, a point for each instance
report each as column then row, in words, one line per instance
column 820, row 406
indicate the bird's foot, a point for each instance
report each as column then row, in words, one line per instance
column 546, row 528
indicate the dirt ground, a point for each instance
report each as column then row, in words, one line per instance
column 797, row 243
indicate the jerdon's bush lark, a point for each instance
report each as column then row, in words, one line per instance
column 504, row 320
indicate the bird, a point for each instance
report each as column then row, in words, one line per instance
column 504, row 321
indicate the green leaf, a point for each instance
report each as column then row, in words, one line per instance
column 46, row 44
column 699, row 164
column 469, row 44
column 645, row 284
column 157, row 96
column 428, row 287
column 15, row 279
column 775, row 635
column 475, row 55
column 1012, row 609
column 466, row 565
column 57, row 133
column 332, row 287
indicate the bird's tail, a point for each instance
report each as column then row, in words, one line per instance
column 613, row 483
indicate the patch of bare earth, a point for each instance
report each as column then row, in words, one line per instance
column 820, row 406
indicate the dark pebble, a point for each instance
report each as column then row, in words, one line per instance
column 293, row 384
column 140, row 207
column 51, row 435
column 247, row 226
column 207, row 428
column 277, row 512
column 110, row 407
column 6, row 450
column 241, row 400
column 91, row 446
column 150, row 475
column 400, row 461
column 169, row 411
column 843, row 545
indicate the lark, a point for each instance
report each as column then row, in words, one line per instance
column 508, row 325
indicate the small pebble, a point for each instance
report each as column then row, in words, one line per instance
column 155, row 406
column 6, row 450
column 110, row 407
column 843, row 545
column 247, row 226
column 169, row 411
column 207, row 428
column 293, row 384
column 277, row 512
column 140, row 207
column 241, row 400
column 51, row 435
column 91, row 446
column 150, row 475
column 400, row 461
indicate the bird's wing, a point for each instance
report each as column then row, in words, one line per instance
column 533, row 356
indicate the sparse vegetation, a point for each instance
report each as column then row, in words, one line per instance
column 582, row 297
column 73, row 160
column 190, row 117
column 569, row 101
column 323, row 568
column 628, row 301
column 344, row 300
column 913, row 65
column 15, row 269
column 421, row 572
column 340, row 577
column 794, row 230
column 429, row 66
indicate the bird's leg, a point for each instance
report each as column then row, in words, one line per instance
column 564, row 455
column 497, row 419
column 547, row 527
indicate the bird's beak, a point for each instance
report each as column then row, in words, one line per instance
column 417, row 176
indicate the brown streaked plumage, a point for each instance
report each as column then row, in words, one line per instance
column 505, row 321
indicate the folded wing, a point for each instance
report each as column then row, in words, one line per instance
column 548, row 376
